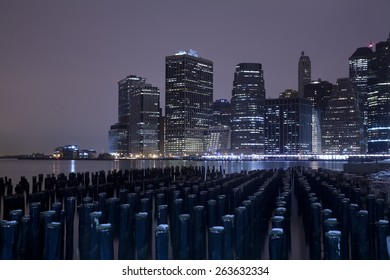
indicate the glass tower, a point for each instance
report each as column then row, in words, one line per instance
column 137, row 129
column 288, row 126
column 378, row 99
column 342, row 128
column 144, row 121
column 358, row 73
column 248, row 98
column 188, row 103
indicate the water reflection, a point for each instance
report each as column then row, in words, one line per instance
column 55, row 167
column 72, row 166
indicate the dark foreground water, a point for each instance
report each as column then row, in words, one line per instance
column 14, row 169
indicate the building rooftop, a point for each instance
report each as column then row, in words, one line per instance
column 364, row 51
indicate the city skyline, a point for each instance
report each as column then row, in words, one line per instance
column 61, row 62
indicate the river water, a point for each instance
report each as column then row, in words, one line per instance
column 14, row 169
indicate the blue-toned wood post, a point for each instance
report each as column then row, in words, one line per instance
column 276, row 242
column 106, row 243
column 70, row 207
column 141, row 227
column 240, row 232
column 53, row 240
column 94, row 221
column 8, row 240
column 216, row 243
column 184, row 241
column 382, row 229
column 125, row 233
column 162, row 242
column 228, row 225
column 199, row 233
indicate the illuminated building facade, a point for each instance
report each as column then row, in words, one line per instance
column 316, row 143
column 288, row 126
column 304, row 73
column 118, row 139
column 358, row 73
column 318, row 92
column 378, row 99
column 137, row 129
column 144, row 121
column 248, row 96
column 342, row 127
column 218, row 139
column 188, row 103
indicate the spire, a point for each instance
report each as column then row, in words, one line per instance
column 302, row 53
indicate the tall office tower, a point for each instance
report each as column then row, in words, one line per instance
column 304, row 73
column 119, row 133
column 144, row 121
column 126, row 87
column 318, row 92
column 342, row 127
column 188, row 103
column 138, row 106
column 288, row 126
column 358, row 73
column 378, row 99
column 248, row 96
column 222, row 112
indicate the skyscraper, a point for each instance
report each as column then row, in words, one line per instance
column 119, row 133
column 288, row 126
column 136, row 131
column 144, row 121
column 248, row 96
column 378, row 99
column 304, row 73
column 188, row 103
column 358, row 73
column 318, row 92
column 342, row 127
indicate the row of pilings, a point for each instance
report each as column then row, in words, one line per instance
column 190, row 213
column 175, row 213
column 341, row 220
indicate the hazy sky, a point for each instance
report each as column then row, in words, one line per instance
column 60, row 60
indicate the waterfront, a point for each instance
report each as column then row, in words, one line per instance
column 14, row 169
column 158, row 209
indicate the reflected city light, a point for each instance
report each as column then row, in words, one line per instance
column 72, row 166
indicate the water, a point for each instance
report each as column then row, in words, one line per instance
column 15, row 169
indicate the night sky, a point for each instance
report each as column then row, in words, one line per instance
column 60, row 60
